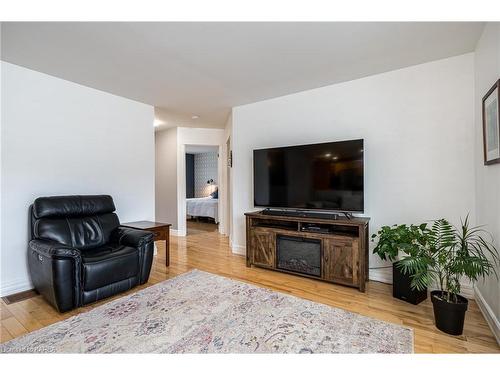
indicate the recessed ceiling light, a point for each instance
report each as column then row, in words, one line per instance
column 335, row 157
column 157, row 122
column 328, row 155
column 195, row 117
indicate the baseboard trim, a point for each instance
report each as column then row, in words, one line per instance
column 238, row 249
column 15, row 286
column 382, row 275
column 488, row 314
column 177, row 233
column 13, row 298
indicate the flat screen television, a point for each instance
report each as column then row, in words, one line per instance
column 323, row 176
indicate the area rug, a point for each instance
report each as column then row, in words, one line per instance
column 198, row 312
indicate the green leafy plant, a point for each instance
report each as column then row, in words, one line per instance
column 448, row 255
column 400, row 238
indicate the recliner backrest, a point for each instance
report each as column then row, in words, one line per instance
column 80, row 221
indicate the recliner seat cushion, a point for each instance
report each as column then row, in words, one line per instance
column 108, row 264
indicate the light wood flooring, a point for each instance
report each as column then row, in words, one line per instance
column 197, row 227
column 205, row 249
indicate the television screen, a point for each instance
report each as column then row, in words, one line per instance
column 324, row 176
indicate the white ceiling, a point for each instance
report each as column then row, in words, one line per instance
column 204, row 69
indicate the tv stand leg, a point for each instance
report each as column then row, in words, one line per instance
column 248, row 249
column 362, row 286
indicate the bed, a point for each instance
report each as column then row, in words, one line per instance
column 206, row 207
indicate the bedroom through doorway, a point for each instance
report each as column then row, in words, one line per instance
column 202, row 189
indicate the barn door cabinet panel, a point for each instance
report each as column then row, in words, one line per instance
column 340, row 261
column 264, row 248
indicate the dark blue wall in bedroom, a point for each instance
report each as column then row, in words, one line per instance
column 189, row 176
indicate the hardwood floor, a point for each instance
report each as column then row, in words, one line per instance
column 207, row 250
column 197, row 227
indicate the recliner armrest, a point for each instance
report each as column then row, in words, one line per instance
column 55, row 272
column 52, row 249
column 131, row 237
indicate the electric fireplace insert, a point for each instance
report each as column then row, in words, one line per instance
column 299, row 254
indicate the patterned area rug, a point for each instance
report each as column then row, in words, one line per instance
column 198, row 312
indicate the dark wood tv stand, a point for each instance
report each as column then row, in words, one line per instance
column 341, row 244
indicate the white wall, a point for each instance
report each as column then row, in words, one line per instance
column 226, row 178
column 166, row 177
column 1, row 153
column 487, row 72
column 417, row 124
column 62, row 138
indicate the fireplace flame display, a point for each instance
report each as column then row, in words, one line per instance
column 299, row 254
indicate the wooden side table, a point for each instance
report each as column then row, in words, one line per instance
column 160, row 230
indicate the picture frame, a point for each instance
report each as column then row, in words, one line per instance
column 491, row 125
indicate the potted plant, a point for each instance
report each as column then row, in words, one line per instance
column 450, row 255
column 404, row 239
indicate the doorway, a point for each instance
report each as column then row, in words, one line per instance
column 202, row 189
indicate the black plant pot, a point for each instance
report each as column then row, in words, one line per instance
column 449, row 316
column 401, row 287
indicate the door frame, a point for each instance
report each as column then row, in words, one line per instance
column 181, row 186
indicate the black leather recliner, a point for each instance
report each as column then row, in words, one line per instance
column 78, row 253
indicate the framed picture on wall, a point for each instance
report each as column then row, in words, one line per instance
column 491, row 125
